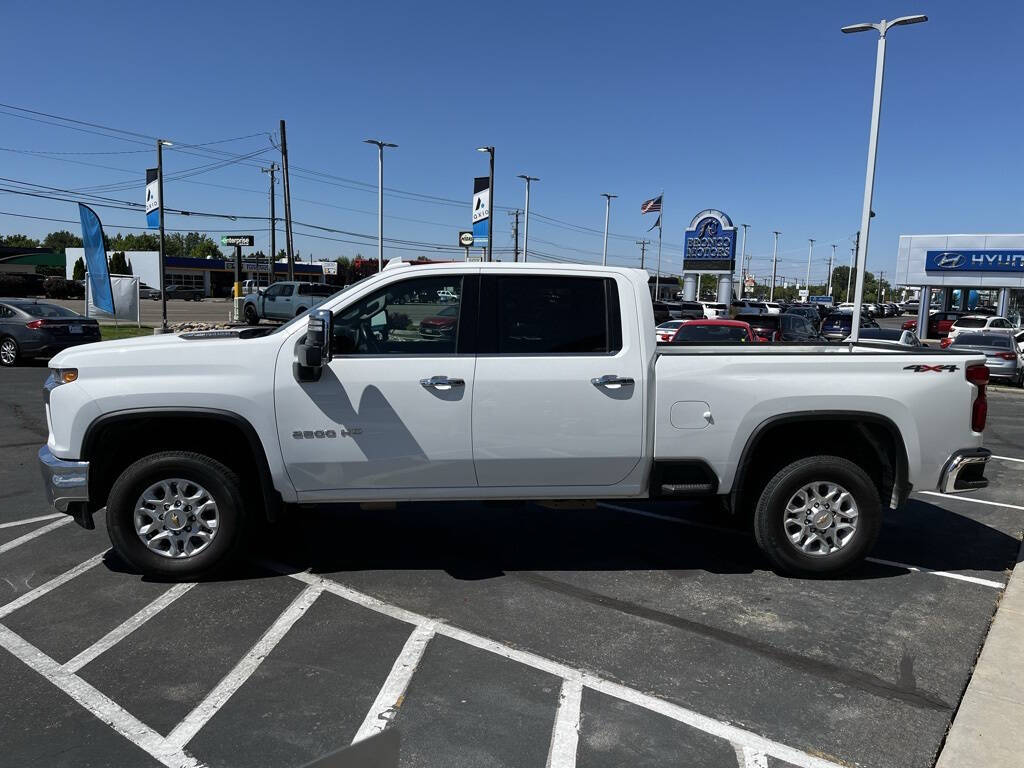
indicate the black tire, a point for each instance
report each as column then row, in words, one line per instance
column 769, row 516
column 224, row 488
column 9, row 352
column 251, row 317
column 300, row 311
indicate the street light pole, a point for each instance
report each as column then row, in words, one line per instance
column 775, row 261
column 526, row 223
column 490, row 204
column 743, row 250
column 607, row 213
column 869, row 181
column 273, row 229
column 810, row 251
column 160, row 144
column 380, row 197
column 831, row 266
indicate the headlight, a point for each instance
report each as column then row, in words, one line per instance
column 57, row 377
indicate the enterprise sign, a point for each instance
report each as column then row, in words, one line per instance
column 975, row 261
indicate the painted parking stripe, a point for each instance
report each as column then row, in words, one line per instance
column 194, row 721
column 33, row 534
column 1007, row 458
column 893, row 563
column 565, row 736
column 750, row 758
column 49, row 586
column 389, row 699
column 28, row 520
column 731, row 733
column 119, row 633
column 95, row 702
column 960, row 497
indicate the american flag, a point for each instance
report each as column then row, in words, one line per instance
column 651, row 206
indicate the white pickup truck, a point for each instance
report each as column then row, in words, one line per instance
column 546, row 384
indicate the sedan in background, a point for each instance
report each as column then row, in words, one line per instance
column 31, row 328
column 148, row 291
column 1002, row 357
column 838, row 325
column 715, row 332
column 442, row 324
column 667, row 330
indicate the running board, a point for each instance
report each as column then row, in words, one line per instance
column 686, row 489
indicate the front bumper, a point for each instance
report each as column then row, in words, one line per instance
column 965, row 471
column 66, row 482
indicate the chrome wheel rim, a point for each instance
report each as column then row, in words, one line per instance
column 176, row 518
column 821, row 518
column 8, row 352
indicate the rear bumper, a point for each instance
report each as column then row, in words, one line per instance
column 965, row 471
column 66, row 482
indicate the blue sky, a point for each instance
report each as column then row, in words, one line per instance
column 760, row 109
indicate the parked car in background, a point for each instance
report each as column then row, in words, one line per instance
column 714, row 310
column 445, row 296
column 939, row 323
column 837, row 326
column 715, row 332
column 1002, row 357
column 890, row 336
column 773, row 308
column 148, row 291
column 685, row 310
column 443, row 323
column 36, row 329
column 982, row 309
column 978, row 324
column 782, row 327
column 807, row 311
column 661, row 313
column 666, row 331
column 181, row 292
column 284, row 300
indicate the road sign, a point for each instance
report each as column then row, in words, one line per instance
column 247, row 240
column 466, row 239
column 804, row 293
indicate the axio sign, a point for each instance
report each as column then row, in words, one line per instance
column 710, row 243
column 974, row 261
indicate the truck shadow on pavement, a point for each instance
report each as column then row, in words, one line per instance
column 473, row 540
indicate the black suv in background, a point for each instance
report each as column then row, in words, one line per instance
column 837, row 326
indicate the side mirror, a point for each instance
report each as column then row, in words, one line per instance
column 315, row 350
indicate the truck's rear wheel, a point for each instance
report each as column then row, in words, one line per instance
column 176, row 515
column 818, row 516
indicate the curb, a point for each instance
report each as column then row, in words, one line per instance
column 987, row 730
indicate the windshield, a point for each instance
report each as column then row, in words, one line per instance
column 761, row 321
column 727, row 334
column 47, row 310
column 838, row 321
column 970, row 322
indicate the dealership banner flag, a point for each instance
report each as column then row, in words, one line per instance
column 152, row 199
column 481, row 207
column 96, row 259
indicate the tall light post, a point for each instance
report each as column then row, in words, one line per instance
column 160, row 144
column 380, row 197
column 869, row 181
column 526, row 224
column 607, row 213
column 775, row 261
column 810, row 252
column 831, row 266
column 490, row 204
column 743, row 250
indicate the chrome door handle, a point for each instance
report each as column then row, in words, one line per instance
column 612, row 381
column 442, row 383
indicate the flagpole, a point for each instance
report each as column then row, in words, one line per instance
column 661, row 220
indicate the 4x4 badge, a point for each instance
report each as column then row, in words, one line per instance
column 935, row 368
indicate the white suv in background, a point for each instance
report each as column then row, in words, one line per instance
column 979, row 323
column 713, row 311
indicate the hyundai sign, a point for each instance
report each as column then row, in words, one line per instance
column 710, row 243
column 975, row 261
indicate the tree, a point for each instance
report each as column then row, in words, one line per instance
column 78, row 271
column 145, row 241
column 58, row 241
column 19, row 241
column 118, row 264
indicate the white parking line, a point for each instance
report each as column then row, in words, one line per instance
column 49, row 586
column 28, row 520
column 947, row 574
column 119, row 633
column 389, row 699
column 749, row 758
column 194, row 721
column 1007, row 458
column 731, row 733
column 565, row 736
column 960, row 497
column 96, row 703
column 33, row 534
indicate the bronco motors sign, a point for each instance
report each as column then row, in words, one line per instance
column 710, row 243
column 975, row 261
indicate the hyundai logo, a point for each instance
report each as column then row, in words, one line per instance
column 950, row 260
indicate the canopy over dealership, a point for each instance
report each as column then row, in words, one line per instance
column 960, row 271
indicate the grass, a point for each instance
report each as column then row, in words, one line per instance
column 109, row 332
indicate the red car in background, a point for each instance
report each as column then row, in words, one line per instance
column 939, row 323
column 442, row 324
column 715, row 332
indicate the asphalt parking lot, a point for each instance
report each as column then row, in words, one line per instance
column 496, row 634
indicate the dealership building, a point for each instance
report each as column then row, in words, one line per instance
column 961, row 272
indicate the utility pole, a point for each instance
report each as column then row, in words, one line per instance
column 775, row 262
column 160, row 144
column 607, row 213
column 881, row 277
column 526, row 223
column 287, row 205
column 831, row 265
column 515, row 234
column 853, row 260
column 810, row 251
column 273, row 225
column 643, row 250
column 743, row 251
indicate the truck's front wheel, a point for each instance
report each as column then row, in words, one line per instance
column 818, row 516
column 176, row 515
